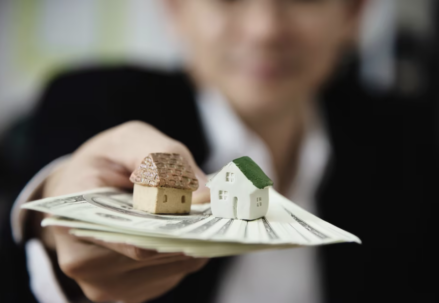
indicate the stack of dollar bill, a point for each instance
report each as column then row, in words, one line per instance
column 107, row 214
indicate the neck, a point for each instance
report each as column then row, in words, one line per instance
column 282, row 133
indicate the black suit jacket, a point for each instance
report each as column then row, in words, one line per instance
column 380, row 183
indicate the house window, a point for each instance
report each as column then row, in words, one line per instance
column 222, row 194
column 258, row 201
column 165, row 198
column 230, row 177
column 183, row 199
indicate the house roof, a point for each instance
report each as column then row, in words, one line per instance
column 165, row 170
column 253, row 172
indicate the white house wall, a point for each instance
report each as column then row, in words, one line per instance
column 256, row 211
column 241, row 188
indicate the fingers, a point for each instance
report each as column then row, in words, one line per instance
column 85, row 173
column 141, row 284
column 202, row 195
column 80, row 257
column 77, row 258
column 109, row 158
column 128, row 144
column 106, row 275
column 133, row 252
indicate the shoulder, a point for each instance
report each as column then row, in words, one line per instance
column 115, row 94
column 117, row 78
column 80, row 103
column 96, row 73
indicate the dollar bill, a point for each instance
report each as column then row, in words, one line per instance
column 107, row 214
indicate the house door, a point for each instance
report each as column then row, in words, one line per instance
column 235, row 207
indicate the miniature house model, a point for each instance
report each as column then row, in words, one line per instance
column 240, row 191
column 163, row 184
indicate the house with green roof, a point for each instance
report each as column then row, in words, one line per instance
column 240, row 190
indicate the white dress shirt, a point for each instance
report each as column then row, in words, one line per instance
column 280, row 276
column 271, row 276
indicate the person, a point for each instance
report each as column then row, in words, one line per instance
column 253, row 86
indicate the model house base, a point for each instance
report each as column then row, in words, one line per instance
column 162, row 200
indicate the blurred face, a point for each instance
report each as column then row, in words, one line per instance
column 264, row 55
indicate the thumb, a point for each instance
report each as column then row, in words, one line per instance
column 202, row 194
column 128, row 144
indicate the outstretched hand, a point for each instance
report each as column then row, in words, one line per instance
column 110, row 271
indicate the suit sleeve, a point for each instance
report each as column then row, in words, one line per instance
column 69, row 112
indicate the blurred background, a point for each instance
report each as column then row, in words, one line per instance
column 40, row 37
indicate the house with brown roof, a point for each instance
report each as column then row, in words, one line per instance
column 163, row 184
